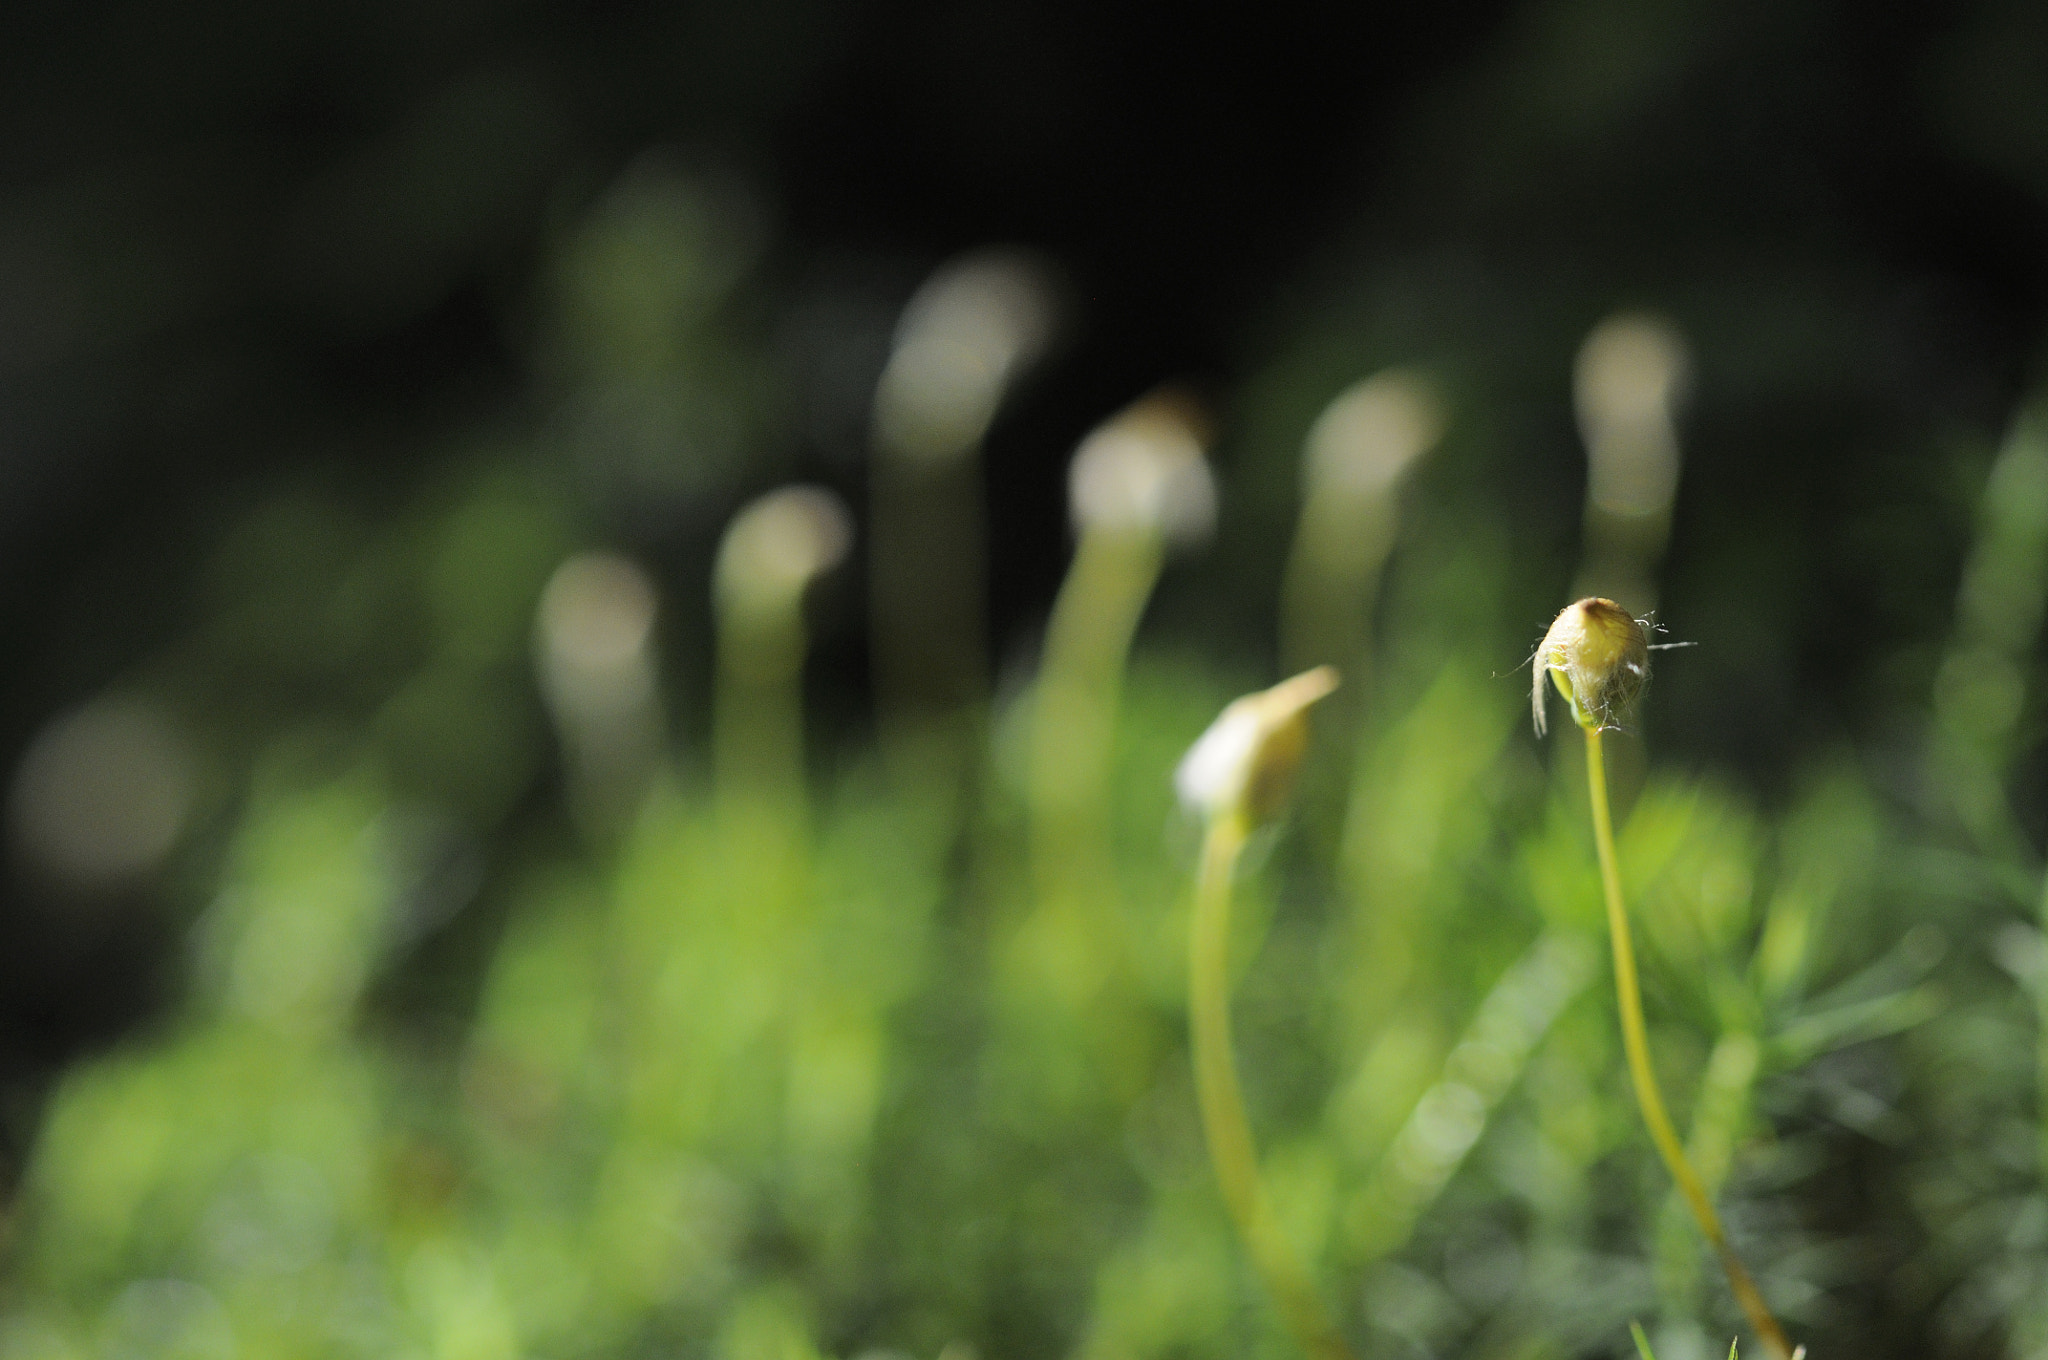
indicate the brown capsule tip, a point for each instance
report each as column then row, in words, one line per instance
column 1598, row 656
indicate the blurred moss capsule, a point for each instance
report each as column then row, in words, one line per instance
column 1598, row 656
column 1142, row 471
column 776, row 546
column 1245, row 763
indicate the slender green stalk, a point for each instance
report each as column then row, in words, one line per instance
column 1649, row 1098
column 1228, row 1131
column 757, row 715
column 1087, row 648
column 927, row 577
column 962, row 341
column 772, row 551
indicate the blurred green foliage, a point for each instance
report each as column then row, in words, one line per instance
column 499, row 1036
column 872, row 1066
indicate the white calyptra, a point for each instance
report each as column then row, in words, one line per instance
column 1245, row 763
column 776, row 546
column 1631, row 376
column 1365, row 439
column 970, row 330
column 1144, row 471
column 595, row 625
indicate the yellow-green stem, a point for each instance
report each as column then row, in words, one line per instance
column 757, row 734
column 926, row 572
column 1635, row 1041
column 1228, row 1131
column 1087, row 648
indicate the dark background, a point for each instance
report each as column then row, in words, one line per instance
column 245, row 242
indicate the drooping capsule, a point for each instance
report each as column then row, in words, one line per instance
column 1598, row 656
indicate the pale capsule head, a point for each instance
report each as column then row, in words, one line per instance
column 1245, row 764
column 597, row 613
column 776, row 546
column 103, row 794
column 1633, row 367
column 1631, row 375
column 1367, row 437
column 1144, row 470
column 962, row 340
column 1598, row 656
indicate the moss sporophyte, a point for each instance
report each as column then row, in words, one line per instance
column 1235, row 778
column 1598, row 656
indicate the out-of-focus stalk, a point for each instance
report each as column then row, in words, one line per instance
column 772, row 552
column 1237, row 776
column 1352, row 467
column 1631, row 377
column 1231, row 1150
column 1980, row 689
column 963, row 340
column 1137, row 485
column 594, row 643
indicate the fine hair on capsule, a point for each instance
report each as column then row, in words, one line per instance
column 1597, row 654
column 1600, row 669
